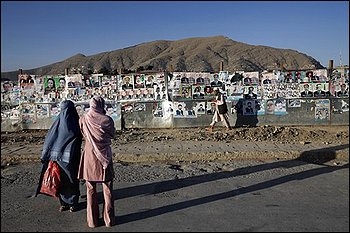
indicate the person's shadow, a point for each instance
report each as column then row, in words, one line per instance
column 318, row 156
column 246, row 119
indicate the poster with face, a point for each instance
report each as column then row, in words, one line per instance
column 268, row 78
column 208, row 92
column 306, row 90
column 200, row 108
column 50, row 84
column 127, row 82
column 28, row 113
column 42, row 111
column 235, row 106
column 321, row 75
column 251, row 78
column 109, row 108
column 321, row 90
column 199, row 80
column 280, row 107
column 198, row 91
column 74, row 82
column 6, row 87
column 249, row 107
column 158, row 109
column 175, row 82
column 270, row 107
column 160, row 79
column 168, row 107
column 15, row 116
column 190, row 77
column 301, row 76
column 149, row 81
column 215, row 82
column 211, row 107
column 174, row 86
column 55, row 110
column 139, row 81
column 96, row 80
column 322, row 107
column 234, row 92
column 186, row 92
column 308, row 77
column 184, row 110
column 26, row 81
column 179, row 109
column 148, row 94
column 160, row 92
column 341, row 89
column 250, row 92
column 114, row 110
column 86, row 82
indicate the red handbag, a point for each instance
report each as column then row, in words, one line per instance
column 51, row 181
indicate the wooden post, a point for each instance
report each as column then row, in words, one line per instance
column 221, row 66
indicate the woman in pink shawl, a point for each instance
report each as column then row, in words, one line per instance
column 96, row 163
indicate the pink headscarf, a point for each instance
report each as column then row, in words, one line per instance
column 98, row 129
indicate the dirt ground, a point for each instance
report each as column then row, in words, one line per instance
column 282, row 134
column 323, row 141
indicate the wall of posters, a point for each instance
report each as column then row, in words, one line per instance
column 191, row 93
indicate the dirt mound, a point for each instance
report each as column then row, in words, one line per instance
column 282, row 134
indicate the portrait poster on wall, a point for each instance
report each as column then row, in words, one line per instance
column 249, row 107
column 322, row 108
column 158, row 109
column 42, row 111
column 168, row 107
column 28, row 113
column 200, row 108
column 280, row 107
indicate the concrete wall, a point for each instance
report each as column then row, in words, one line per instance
column 303, row 115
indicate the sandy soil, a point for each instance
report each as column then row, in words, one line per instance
column 286, row 134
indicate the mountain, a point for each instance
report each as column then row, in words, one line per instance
column 192, row 54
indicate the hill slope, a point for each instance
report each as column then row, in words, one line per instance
column 192, row 54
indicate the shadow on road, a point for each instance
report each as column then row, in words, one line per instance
column 318, row 156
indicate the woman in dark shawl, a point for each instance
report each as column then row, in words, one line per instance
column 63, row 144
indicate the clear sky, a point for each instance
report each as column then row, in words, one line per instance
column 34, row 34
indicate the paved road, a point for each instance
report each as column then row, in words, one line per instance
column 288, row 195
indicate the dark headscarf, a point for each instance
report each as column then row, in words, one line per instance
column 64, row 137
